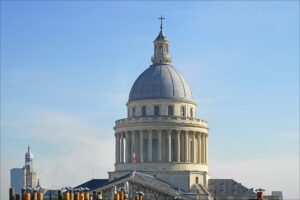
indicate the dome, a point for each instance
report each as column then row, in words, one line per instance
column 161, row 81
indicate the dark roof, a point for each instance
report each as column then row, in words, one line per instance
column 161, row 36
column 228, row 187
column 93, row 184
column 154, row 181
column 161, row 81
column 149, row 181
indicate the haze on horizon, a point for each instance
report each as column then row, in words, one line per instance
column 67, row 69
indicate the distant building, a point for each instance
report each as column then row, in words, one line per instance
column 277, row 194
column 16, row 179
column 29, row 176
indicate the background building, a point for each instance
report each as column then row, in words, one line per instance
column 24, row 177
column 29, row 176
column 16, row 179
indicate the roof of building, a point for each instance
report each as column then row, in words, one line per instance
column 161, row 81
column 146, row 180
column 92, row 184
column 161, row 36
column 228, row 187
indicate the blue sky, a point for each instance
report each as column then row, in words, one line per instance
column 67, row 69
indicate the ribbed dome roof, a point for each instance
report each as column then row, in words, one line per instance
column 161, row 81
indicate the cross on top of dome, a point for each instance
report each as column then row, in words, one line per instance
column 161, row 24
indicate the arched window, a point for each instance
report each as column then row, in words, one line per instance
column 133, row 112
column 160, row 49
column 156, row 110
column 144, row 112
column 182, row 111
column 170, row 110
column 191, row 112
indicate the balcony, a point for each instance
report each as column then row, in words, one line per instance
column 162, row 119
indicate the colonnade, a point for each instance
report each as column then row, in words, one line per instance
column 161, row 146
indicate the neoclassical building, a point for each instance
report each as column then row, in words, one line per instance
column 161, row 147
column 161, row 135
column 161, row 139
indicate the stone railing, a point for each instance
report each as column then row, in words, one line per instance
column 160, row 166
column 162, row 119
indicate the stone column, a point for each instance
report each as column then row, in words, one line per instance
column 194, row 148
column 122, row 148
column 186, row 140
column 169, row 146
column 159, row 145
column 203, row 148
column 149, row 145
column 117, row 147
column 178, row 146
column 141, row 146
column 133, row 149
column 127, row 150
column 199, row 148
column 206, row 148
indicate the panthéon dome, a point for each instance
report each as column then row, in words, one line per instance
column 161, row 80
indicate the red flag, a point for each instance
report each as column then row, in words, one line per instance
column 133, row 157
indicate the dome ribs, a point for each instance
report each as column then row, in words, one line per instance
column 161, row 81
column 172, row 82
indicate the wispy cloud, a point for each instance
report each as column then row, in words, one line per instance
column 75, row 150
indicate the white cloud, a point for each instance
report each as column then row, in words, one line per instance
column 79, row 151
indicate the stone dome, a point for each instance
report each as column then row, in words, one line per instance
column 161, row 81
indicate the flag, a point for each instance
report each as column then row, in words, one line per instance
column 133, row 157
